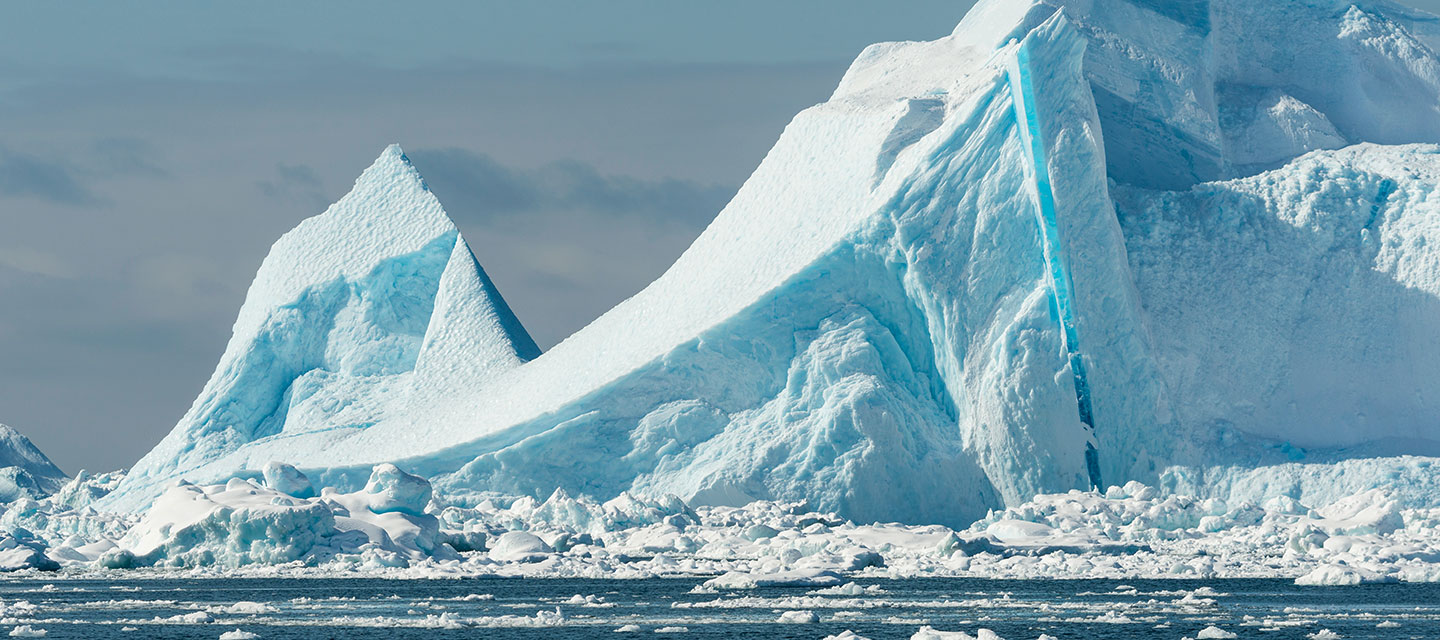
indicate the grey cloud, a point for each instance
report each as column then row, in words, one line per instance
column 114, row 385
column 125, row 157
column 293, row 182
column 470, row 183
column 26, row 175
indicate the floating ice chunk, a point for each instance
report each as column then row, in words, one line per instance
column 287, row 479
column 239, row 634
column 550, row 618
column 1214, row 633
column 27, row 631
column 673, row 629
column 245, row 607
column 198, row 617
column 846, row 635
column 629, row 628
column 1324, row 634
column 849, row 589
column 930, row 633
column 799, row 617
column 746, row 580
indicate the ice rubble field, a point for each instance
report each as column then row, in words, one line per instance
column 395, row 526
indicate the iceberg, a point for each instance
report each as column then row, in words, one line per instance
column 1073, row 244
column 25, row 471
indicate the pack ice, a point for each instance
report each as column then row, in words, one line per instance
column 1073, row 244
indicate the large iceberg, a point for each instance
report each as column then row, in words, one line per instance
column 1073, row 244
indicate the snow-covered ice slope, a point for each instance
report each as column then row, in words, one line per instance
column 923, row 304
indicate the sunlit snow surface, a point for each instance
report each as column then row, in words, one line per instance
column 137, row 607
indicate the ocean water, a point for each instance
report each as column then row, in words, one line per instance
column 525, row 608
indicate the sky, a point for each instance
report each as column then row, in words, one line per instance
column 151, row 152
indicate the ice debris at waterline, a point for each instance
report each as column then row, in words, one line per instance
column 1072, row 244
column 397, row 526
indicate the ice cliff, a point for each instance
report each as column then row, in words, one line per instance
column 1075, row 243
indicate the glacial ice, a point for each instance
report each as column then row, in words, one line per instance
column 1074, row 244
column 25, row 472
column 240, row 523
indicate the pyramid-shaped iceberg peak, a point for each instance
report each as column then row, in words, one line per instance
column 338, row 316
column 473, row 335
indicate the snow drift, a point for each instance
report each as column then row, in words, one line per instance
column 1072, row 244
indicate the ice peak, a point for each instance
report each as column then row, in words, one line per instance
column 16, row 450
column 393, row 168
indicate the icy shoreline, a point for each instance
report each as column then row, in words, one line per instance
column 397, row 528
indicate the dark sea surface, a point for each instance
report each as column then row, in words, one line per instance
column 525, row 608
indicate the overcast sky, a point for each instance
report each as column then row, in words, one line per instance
column 150, row 153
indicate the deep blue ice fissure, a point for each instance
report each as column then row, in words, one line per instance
column 1021, row 91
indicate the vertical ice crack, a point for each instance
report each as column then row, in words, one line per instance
column 1028, row 121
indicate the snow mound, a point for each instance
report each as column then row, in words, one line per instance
column 241, row 523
